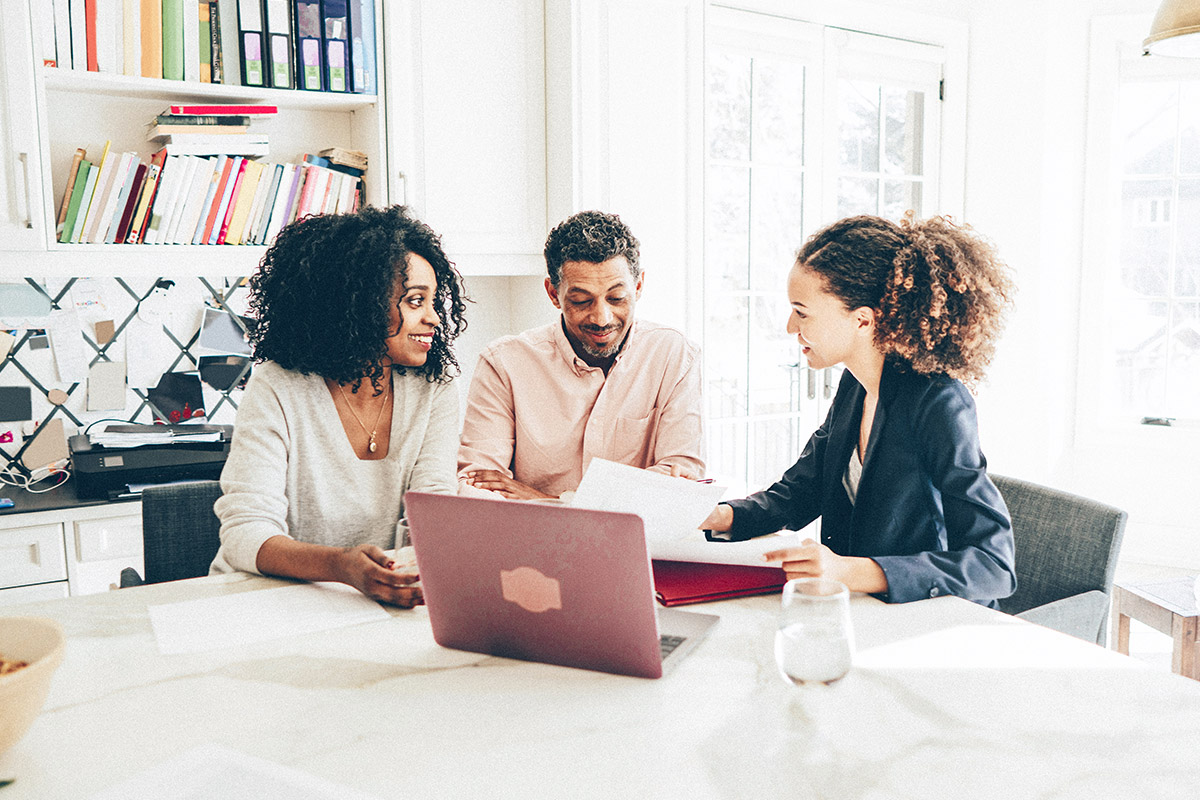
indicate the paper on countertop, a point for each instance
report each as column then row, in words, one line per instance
column 213, row 770
column 245, row 618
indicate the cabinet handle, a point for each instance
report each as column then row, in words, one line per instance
column 403, row 187
column 812, row 384
column 24, row 158
column 828, row 382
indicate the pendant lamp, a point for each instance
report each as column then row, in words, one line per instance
column 1176, row 30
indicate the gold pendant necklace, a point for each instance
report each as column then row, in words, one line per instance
column 371, row 446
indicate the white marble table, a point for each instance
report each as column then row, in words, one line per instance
column 947, row 699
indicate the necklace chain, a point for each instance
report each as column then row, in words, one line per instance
column 371, row 446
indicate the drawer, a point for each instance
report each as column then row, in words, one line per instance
column 33, row 594
column 108, row 539
column 32, row 554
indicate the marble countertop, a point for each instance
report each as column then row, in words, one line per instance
column 946, row 699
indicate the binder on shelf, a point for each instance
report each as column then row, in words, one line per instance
column 78, row 22
column 362, row 46
column 80, row 154
column 205, row 43
column 191, row 40
column 152, row 41
column 335, row 28
column 172, row 39
column 131, row 38
column 309, row 47
column 85, row 176
column 277, row 28
column 678, row 583
column 250, row 39
column 227, row 13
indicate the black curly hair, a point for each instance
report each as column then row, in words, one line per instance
column 940, row 290
column 321, row 295
column 591, row 236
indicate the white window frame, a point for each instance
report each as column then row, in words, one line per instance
column 1114, row 39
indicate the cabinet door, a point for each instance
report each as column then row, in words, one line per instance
column 31, row 554
column 22, row 210
column 101, row 549
column 471, row 138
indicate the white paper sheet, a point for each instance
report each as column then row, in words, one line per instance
column 210, row 623
column 671, row 508
column 212, row 771
column 750, row 552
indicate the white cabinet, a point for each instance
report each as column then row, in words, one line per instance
column 22, row 213
column 48, row 112
column 471, row 139
column 79, row 550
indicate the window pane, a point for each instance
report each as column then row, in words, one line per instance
column 1187, row 241
column 1141, row 359
column 777, row 197
column 901, row 196
column 726, row 346
column 858, row 126
column 773, row 450
column 1189, row 128
column 1146, row 236
column 727, row 106
column 774, row 359
column 1183, row 364
column 857, row 196
column 778, row 111
column 727, row 229
column 1149, row 111
column 727, row 454
column 904, row 116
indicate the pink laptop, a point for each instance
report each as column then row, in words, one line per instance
column 546, row 583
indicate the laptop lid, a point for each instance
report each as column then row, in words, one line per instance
column 545, row 583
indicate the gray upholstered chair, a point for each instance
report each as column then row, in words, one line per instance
column 180, row 532
column 1066, row 555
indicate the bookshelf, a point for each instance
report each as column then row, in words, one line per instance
column 50, row 111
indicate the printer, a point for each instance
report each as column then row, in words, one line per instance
column 121, row 459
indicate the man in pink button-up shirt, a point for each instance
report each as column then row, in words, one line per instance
column 595, row 383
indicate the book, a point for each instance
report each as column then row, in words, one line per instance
column 679, row 583
column 200, row 119
column 191, row 200
column 309, row 68
column 85, row 174
column 104, row 204
column 78, row 22
column 205, row 43
column 152, row 43
column 262, row 217
column 283, row 201
column 131, row 23
column 141, row 212
column 109, row 163
column 322, row 161
column 45, row 33
column 159, row 131
column 209, row 216
column 227, row 29
column 80, row 154
column 250, row 38
column 187, row 172
column 172, row 39
column 335, row 28
column 228, row 202
column 218, row 57
column 191, row 40
column 200, row 214
column 241, row 203
column 370, row 63
column 85, row 203
column 349, row 158
column 220, row 110
column 164, row 197
column 277, row 27
column 62, row 34
column 110, row 27
column 128, row 202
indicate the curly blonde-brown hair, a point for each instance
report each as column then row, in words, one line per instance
column 940, row 290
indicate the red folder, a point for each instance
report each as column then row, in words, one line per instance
column 678, row 583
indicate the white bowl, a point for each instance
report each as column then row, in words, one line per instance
column 38, row 641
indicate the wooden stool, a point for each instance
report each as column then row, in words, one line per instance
column 1167, row 606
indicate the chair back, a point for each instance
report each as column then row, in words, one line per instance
column 180, row 531
column 1065, row 544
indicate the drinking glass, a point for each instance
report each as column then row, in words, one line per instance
column 815, row 641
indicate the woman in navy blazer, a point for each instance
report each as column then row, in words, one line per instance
column 895, row 472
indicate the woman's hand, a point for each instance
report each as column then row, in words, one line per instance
column 814, row 560
column 368, row 569
column 496, row 481
column 720, row 520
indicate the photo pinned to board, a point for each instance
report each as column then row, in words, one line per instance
column 178, row 397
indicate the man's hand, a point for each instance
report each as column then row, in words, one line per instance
column 496, row 481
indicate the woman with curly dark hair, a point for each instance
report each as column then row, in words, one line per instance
column 351, row 406
column 895, row 472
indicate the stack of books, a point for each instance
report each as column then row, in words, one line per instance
column 210, row 130
column 185, row 198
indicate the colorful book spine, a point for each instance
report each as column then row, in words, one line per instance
column 205, row 35
column 225, row 210
column 85, row 175
column 152, row 41
column 80, row 154
column 172, row 39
